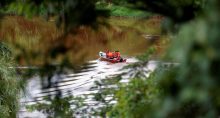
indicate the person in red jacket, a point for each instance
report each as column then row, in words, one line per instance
column 117, row 55
column 109, row 54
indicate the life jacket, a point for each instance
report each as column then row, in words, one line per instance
column 110, row 55
column 116, row 54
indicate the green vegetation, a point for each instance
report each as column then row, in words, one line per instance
column 64, row 110
column 123, row 11
column 146, row 56
column 191, row 89
column 135, row 98
column 10, row 84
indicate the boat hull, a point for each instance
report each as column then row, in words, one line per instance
column 104, row 58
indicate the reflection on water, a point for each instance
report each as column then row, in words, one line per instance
column 44, row 42
column 82, row 83
column 81, row 80
column 77, row 83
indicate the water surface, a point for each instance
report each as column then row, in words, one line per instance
column 76, row 84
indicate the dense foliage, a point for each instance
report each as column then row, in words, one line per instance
column 58, row 107
column 135, row 98
column 10, row 85
column 70, row 12
column 179, row 11
column 190, row 90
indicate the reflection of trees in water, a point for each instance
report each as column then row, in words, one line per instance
column 58, row 106
column 37, row 42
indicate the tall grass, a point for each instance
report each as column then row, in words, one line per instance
column 10, row 85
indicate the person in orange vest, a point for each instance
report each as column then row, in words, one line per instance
column 109, row 54
column 117, row 55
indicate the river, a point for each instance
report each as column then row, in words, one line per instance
column 79, row 83
column 33, row 41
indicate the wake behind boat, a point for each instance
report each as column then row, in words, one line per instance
column 112, row 57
